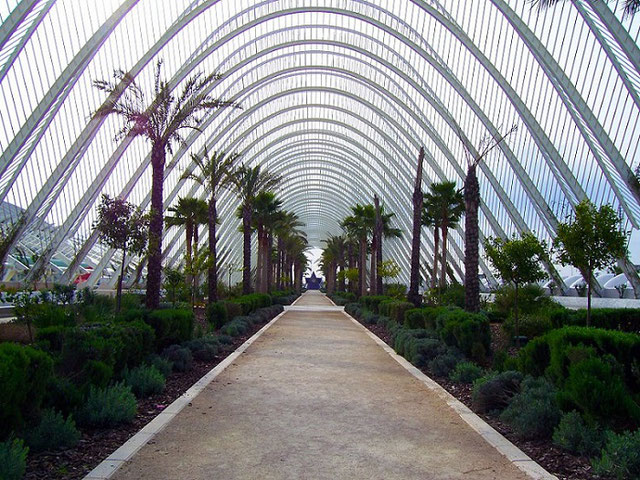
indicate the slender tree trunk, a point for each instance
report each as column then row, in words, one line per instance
column 298, row 276
column 413, row 296
column 471, row 240
column 269, row 270
column 516, row 319
column 589, row 277
column 120, row 277
column 443, row 277
column 212, row 271
column 246, row 249
column 260, row 257
column 362, row 277
column 154, row 266
column 373, row 281
column 279, row 264
column 379, row 234
column 436, row 255
column 193, row 266
column 341, row 281
column 352, row 264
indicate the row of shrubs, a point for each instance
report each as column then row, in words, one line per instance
column 92, row 373
column 575, row 386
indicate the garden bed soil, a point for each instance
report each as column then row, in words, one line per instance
column 560, row 463
column 97, row 444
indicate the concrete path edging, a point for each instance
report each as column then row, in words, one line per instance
column 516, row 456
column 113, row 462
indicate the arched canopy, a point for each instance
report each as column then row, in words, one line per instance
column 337, row 96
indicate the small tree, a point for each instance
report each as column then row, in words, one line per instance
column 122, row 226
column 591, row 241
column 517, row 260
column 388, row 269
column 174, row 282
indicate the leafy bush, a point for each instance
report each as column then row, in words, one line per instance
column 442, row 365
column 204, row 349
column 623, row 319
column 53, row 432
column 394, row 309
column 371, row 302
column 469, row 332
column 50, row 315
column 466, row 372
column 404, row 337
column 620, row 456
column 575, row 436
column 171, row 326
column 233, row 310
column 415, row 318
column 180, row 357
column 252, row 301
column 107, row 407
column 144, row 381
column 164, row 366
column 534, row 412
column 395, row 290
column 531, row 299
column 62, row 394
column 369, row 318
column 216, row 314
column 13, row 459
column 530, row 325
column 553, row 353
column 354, row 309
column 24, row 375
column 494, row 391
column 596, row 388
column 453, row 295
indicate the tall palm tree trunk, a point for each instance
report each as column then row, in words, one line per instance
column 443, row 277
column 212, row 271
column 246, row 249
column 362, row 265
column 471, row 240
column 194, row 294
column 260, row 258
column 154, row 267
column 372, row 266
column 417, row 198
column 268, row 279
column 436, row 254
column 378, row 232
column 341, row 280
column 279, row 263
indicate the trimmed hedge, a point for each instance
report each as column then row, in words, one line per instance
column 252, row 301
column 371, row 302
column 469, row 332
column 171, row 326
column 394, row 309
column 24, row 375
column 216, row 314
column 623, row 319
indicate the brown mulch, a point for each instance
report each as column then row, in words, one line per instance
column 97, row 444
column 560, row 463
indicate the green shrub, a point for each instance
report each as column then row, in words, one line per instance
column 620, row 456
column 203, row 349
column 369, row 318
column 216, row 314
column 404, row 337
column 422, row 350
column 353, row 309
column 13, row 459
column 53, row 432
column 397, row 309
column 530, row 325
column 233, row 310
column 395, row 290
column 596, row 388
column 531, row 299
column 494, row 391
column 466, row 331
column 453, row 295
column 107, row 407
column 62, row 395
column 623, row 319
column 575, row 436
column 51, row 315
column 534, row 412
column 415, row 317
column 466, row 372
column 24, row 375
column 252, row 301
column 180, row 357
column 442, row 365
column 553, row 353
column 164, row 366
column 371, row 302
column 171, row 326
column 144, row 381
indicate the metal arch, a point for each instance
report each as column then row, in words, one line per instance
column 25, row 37
column 15, row 19
column 579, row 111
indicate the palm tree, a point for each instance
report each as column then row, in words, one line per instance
column 446, row 203
column 382, row 229
column 431, row 220
column 190, row 213
column 417, row 198
column 330, row 259
column 359, row 226
column 266, row 209
column 160, row 120
column 249, row 183
column 286, row 224
column 214, row 173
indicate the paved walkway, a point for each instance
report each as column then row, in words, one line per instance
column 316, row 398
